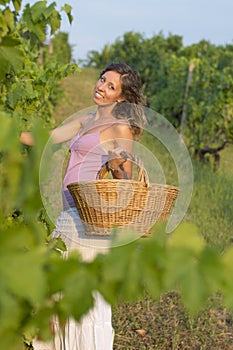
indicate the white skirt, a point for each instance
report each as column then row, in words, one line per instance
column 94, row 331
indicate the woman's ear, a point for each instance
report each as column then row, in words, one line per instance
column 120, row 99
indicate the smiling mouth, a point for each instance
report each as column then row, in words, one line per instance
column 98, row 94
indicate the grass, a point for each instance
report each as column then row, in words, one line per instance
column 226, row 165
column 211, row 206
column 78, row 93
column 165, row 324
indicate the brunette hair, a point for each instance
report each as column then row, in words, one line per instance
column 132, row 106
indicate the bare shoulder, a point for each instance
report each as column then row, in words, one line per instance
column 122, row 130
column 77, row 119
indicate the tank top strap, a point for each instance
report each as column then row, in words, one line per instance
column 109, row 124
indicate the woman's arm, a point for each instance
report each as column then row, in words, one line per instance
column 26, row 138
column 60, row 134
column 66, row 131
column 119, row 164
column 120, row 167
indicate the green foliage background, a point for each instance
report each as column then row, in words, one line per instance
column 190, row 86
column 33, row 275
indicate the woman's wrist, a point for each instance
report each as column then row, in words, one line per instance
column 111, row 169
column 123, row 174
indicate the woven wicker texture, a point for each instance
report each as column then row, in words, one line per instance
column 107, row 203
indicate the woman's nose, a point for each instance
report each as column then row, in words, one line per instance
column 101, row 86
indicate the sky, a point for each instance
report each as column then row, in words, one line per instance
column 100, row 22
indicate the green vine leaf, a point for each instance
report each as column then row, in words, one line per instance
column 17, row 5
column 30, row 267
column 11, row 55
column 67, row 9
column 55, row 22
column 37, row 11
column 4, row 2
column 6, row 21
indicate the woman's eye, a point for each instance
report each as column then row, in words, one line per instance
column 111, row 87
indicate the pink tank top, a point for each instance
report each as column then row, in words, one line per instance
column 86, row 158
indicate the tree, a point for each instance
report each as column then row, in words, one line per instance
column 29, row 84
column 59, row 48
column 198, row 102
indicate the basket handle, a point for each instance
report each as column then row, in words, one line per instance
column 142, row 173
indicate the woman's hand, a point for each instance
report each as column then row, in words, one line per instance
column 119, row 163
column 26, row 138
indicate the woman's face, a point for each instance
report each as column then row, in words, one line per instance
column 108, row 88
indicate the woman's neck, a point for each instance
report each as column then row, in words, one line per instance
column 105, row 111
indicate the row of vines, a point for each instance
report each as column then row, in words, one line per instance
column 191, row 86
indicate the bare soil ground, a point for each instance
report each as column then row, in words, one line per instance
column 166, row 325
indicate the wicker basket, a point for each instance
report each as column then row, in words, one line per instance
column 107, row 203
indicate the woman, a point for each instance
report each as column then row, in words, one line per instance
column 95, row 139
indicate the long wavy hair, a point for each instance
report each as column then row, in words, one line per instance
column 131, row 108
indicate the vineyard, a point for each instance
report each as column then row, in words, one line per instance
column 163, row 322
column 168, row 291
